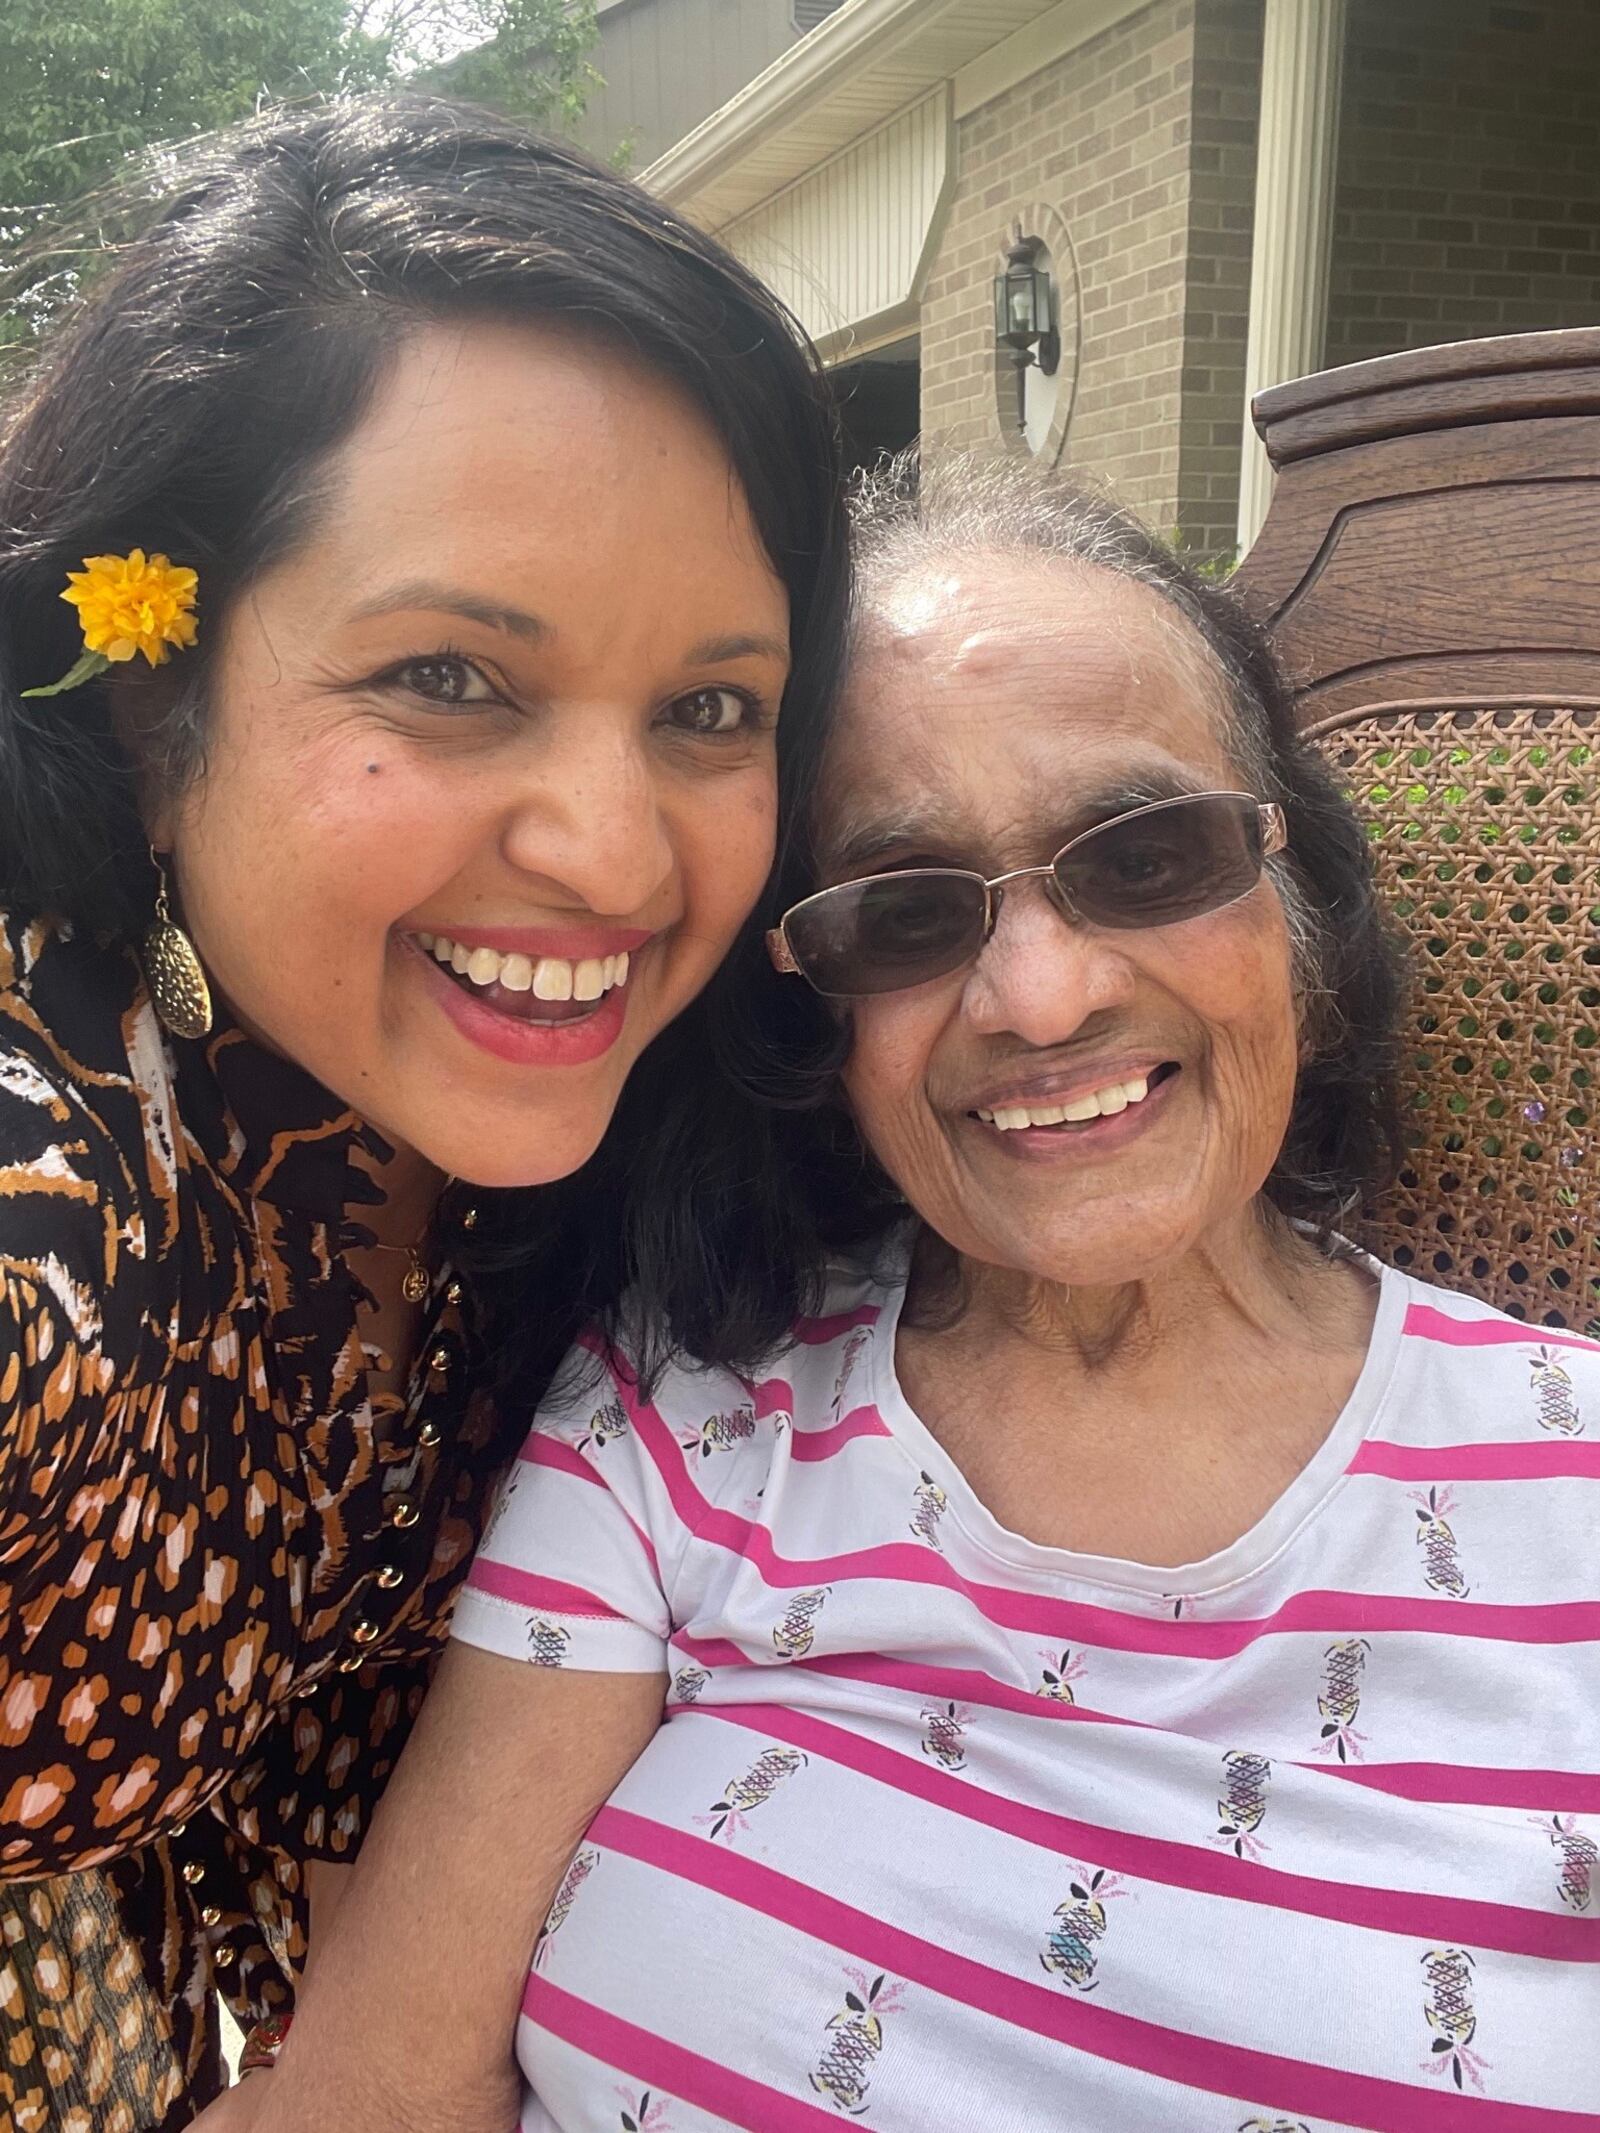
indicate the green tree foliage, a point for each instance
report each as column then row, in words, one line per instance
column 85, row 85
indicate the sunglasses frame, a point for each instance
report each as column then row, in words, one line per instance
column 1274, row 838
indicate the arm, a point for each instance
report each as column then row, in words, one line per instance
column 408, row 2011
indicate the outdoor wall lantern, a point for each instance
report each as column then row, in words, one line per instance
column 1025, row 318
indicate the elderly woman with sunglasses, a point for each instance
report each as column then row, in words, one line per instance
column 1048, row 1634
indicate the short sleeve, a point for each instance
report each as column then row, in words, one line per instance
column 567, row 1574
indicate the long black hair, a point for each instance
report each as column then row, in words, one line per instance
column 185, row 408
column 239, row 337
column 721, row 1240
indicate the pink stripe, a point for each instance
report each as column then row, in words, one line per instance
column 658, row 2064
column 960, row 1685
column 1547, row 1459
column 1551, row 1792
column 505, row 1582
column 811, row 1444
column 1335, row 1614
column 773, row 1396
column 541, row 1449
column 1513, row 1931
column 813, row 1332
column 1365, row 2100
column 1425, row 1323
column 1469, row 1785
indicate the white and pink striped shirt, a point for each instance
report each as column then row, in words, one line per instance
column 947, row 1830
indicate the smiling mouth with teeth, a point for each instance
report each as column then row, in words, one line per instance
column 1084, row 1110
column 545, row 988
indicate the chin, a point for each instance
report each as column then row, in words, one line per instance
column 502, row 1161
column 1103, row 1255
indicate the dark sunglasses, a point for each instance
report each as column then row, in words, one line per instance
column 1154, row 866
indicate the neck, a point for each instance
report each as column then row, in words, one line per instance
column 1252, row 1279
column 411, row 1186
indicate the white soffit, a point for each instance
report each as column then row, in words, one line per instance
column 865, row 63
column 868, row 62
column 847, row 247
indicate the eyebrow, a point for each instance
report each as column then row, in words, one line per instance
column 713, row 650
column 451, row 600
column 935, row 829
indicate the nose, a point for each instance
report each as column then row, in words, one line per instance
column 589, row 815
column 1041, row 975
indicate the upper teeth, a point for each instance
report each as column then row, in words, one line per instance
column 1098, row 1103
column 547, row 977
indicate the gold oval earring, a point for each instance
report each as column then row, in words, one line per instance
column 173, row 971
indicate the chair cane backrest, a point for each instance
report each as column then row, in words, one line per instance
column 1485, row 824
column 1430, row 570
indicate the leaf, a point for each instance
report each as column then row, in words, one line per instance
column 855, row 2006
column 1078, row 1890
column 85, row 668
column 1329, row 1731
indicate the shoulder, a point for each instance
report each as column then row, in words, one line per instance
column 720, row 1420
column 1497, row 1375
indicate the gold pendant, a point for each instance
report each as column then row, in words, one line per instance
column 177, row 982
column 416, row 1285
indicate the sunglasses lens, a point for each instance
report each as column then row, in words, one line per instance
column 893, row 931
column 1165, row 864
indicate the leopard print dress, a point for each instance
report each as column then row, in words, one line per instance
column 226, row 1569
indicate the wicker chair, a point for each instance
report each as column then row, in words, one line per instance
column 1431, row 570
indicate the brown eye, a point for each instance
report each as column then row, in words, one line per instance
column 444, row 680
column 711, row 711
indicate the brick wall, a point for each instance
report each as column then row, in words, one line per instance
column 1222, row 167
column 1102, row 135
column 1469, row 173
column 1144, row 142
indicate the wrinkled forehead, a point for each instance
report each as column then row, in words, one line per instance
column 995, row 703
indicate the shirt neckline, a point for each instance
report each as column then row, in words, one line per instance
column 1314, row 1486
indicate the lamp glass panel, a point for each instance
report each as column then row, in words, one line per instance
column 1020, row 299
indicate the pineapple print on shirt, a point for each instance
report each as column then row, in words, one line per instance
column 643, row 2114
column 1056, row 1679
column 1556, row 1404
column 743, row 1795
column 944, row 1732
column 720, row 1433
column 855, row 2037
column 1579, row 1857
column 928, row 1505
column 566, row 1895
column 605, row 1426
column 1441, row 1565
column 795, row 1634
column 1242, row 1802
column 1447, row 1976
column 1072, row 1949
column 1339, row 1699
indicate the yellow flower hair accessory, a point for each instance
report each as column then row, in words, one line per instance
column 127, row 604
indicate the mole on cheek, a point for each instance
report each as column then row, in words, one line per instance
column 372, row 770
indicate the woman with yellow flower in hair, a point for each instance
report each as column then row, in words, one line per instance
column 405, row 553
